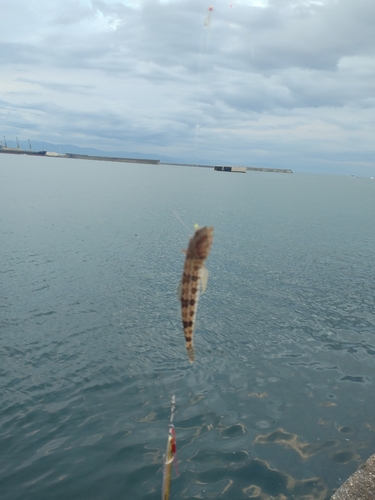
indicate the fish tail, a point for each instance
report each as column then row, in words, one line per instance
column 191, row 354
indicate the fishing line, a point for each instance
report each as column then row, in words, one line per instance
column 205, row 15
column 170, row 455
column 180, row 220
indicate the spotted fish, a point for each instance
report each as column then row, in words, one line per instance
column 194, row 277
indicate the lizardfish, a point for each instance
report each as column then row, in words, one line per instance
column 194, row 278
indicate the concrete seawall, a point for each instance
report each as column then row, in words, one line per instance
column 77, row 156
column 277, row 170
column 11, row 151
column 111, row 158
column 360, row 485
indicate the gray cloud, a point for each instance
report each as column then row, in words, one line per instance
column 58, row 86
column 292, row 81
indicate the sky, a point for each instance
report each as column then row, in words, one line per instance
column 267, row 83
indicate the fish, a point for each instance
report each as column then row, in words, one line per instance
column 194, row 278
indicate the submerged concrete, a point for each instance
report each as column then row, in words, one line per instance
column 360, row 485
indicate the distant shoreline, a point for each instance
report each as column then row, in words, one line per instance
column 129, row 160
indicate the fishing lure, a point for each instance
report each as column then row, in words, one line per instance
column 170, row 454
column 194, row 278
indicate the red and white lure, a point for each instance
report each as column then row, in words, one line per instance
column 170, row 454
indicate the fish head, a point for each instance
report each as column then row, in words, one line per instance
column 200, row 243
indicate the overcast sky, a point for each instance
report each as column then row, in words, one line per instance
column 279, row 83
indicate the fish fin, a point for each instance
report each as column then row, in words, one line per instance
column 204, row 278
column 191, row 354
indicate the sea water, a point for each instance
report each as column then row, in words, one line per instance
column 280, row 401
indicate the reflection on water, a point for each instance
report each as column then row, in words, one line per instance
column 305, row 450
column 279, row 402
column 252, row 479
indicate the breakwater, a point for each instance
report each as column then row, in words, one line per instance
column 277, row 170
column 12, row 151
column 77, row 156
column 112, row 158
column 253, row 169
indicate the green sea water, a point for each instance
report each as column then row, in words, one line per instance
column 280, row 401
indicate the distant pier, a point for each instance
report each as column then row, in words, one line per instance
column 277, row 170
column 14, row 151
column 111, row 158
column 220, row 168
column 76, row 156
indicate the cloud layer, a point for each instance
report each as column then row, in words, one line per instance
column 278, row 83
